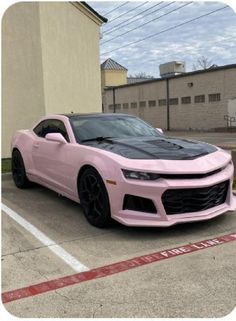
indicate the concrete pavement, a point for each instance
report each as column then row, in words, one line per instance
column 200, row 284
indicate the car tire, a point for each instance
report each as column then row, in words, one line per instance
column 94, row 198
column 18, row 170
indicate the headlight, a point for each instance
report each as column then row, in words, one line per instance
column 144, row 176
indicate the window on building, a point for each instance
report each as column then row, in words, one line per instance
column 142, row 104
column 186, row 100
column 174, row 101
column 162, row 102
column 199, row 99
column 133, row 105
column 125, row 105
column 118, row 106
column 151, row 103
column 214, row 97
column 111, row 107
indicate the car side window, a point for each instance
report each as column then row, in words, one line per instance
column 51, row 126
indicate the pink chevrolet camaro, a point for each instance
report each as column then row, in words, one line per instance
column 117, row 166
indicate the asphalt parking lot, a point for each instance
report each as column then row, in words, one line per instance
column 197, row 284
column 223, row 140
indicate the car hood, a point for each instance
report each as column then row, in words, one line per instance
column 155, row 148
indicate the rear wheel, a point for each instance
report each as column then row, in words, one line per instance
column 18, row 170
column 94, row 198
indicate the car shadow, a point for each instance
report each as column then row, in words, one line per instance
column 203, row 227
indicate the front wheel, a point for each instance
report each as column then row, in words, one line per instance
column 18, row 170
column 94, row 198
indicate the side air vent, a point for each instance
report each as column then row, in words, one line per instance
column 139, row 204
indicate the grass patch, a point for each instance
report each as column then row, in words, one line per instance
column 234, row 184
column 6, row 165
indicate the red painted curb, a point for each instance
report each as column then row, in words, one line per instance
column 113, row 268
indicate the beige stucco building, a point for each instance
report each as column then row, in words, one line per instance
column 198, row 100
column 112, row 74
column 50, row 63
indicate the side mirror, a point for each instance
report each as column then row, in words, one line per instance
column 56, row 137
column 160, row 130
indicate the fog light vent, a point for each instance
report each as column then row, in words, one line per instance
column 139, row 204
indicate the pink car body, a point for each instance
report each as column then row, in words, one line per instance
column 56, row 165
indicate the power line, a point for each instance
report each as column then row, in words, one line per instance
column 209, row 43
column 127, row 12
column 186, row 49
column 114, row 27
column 165, row 30
column 144, row 24
column 123, row 4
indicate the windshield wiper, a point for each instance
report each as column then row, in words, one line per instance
column 98, row 139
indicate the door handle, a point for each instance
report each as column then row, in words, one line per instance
column 36, row 145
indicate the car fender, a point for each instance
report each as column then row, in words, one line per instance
column 106, row 166
column 23, row 140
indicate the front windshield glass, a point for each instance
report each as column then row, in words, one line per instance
column 89, row 127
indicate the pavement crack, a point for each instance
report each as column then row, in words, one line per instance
column 43, row 275
column 25, row 251
column 97, row 309
column 84, row 238
column 63, row 296
column 68, row 299
column 47, row 246
column 19, row 259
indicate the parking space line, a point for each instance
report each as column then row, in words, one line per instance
column 49, row 243
column 113, row 268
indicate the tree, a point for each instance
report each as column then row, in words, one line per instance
column 203, row 63
column 141, row 75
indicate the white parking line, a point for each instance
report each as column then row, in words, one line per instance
column 49, row 243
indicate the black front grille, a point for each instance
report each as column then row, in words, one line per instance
column 179, row 201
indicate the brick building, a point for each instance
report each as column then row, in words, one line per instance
column 198, row 100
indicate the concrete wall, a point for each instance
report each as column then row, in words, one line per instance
column 71, row 63
column 135, row 94
column 50, row 64
column 207, row 115
column 22, row 71
column 113, row 77
column 232, row 112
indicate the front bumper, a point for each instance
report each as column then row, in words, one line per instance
column 153, row 190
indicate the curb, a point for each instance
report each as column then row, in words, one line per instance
column 226, row 147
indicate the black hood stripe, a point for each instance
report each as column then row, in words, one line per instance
column 155, row 148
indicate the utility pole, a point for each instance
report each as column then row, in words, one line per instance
column 114, row 99
column 168, row 103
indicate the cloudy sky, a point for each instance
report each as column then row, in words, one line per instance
column 171, row 33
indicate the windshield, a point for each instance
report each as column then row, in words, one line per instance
column 89, row 127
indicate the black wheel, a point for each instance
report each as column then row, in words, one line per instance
column 94, row 198
column 18, row 170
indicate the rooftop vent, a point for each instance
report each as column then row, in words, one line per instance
column 172, row 68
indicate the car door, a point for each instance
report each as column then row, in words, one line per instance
column 52, row 159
